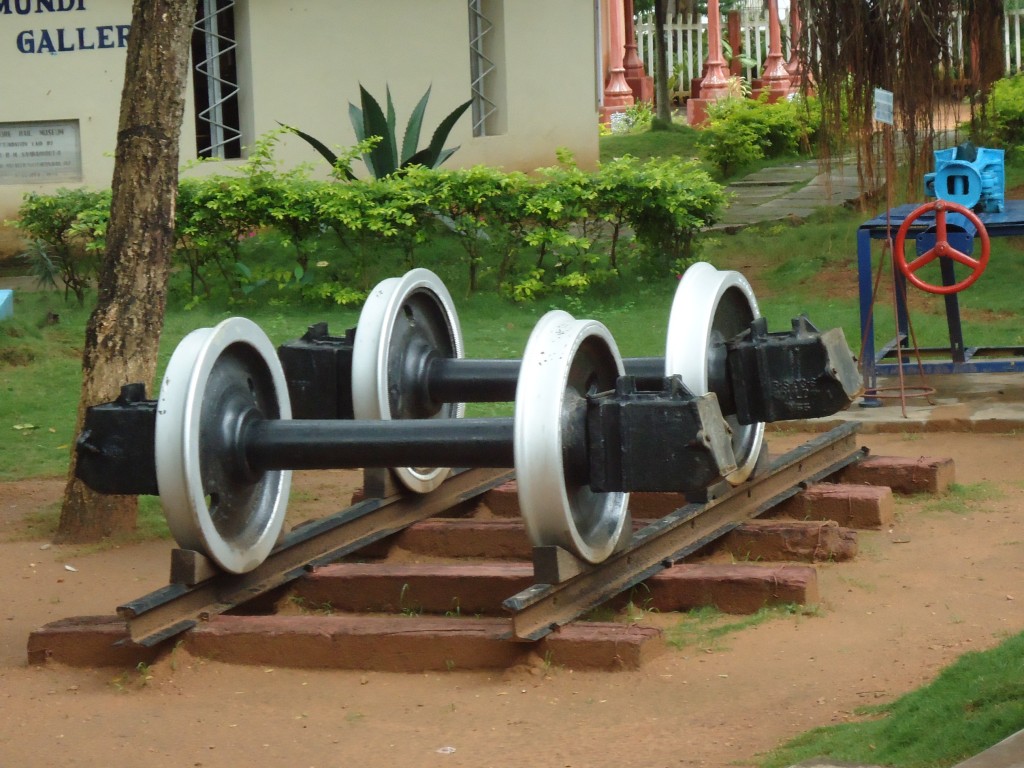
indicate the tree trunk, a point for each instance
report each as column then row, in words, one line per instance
column 661, row 97
column 984, row 24
column 123, row 333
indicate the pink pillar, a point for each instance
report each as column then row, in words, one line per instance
column 639, row 81
column 715, row 83
column 617, row 93
column 736, row 42
column 794, row 66
column 775, row 77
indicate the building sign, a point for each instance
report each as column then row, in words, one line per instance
column 883, row 106
column 60, row 39
column 40, row 152
column 27, row 7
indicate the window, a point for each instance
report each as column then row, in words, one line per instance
column 215, row 80
column 487, row 76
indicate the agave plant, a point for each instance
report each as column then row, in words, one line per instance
column 384, row 158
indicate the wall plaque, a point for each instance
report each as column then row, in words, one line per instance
column 39, row 152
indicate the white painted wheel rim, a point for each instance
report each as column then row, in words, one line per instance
column 371, row 396
column 709, row 302
column 556, row 511
column 238, row 540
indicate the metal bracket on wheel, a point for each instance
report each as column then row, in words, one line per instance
column 189, row 567
column 380, row 483
column 553, row 565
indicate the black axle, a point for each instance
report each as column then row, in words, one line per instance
column 758, row 376
column 318, row 368
column 463, row 380
column 335, row 444
column 237, row 443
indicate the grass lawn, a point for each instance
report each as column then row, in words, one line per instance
column 681, row 141
column 807, row 268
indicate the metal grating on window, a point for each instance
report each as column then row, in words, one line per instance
column 480, row 67
column 218, row 131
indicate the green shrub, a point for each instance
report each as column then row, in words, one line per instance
column 639, row 116
column 674, row 199
column 1005, row 124
column 264, row 235
column 477, row 204
column 742, row 131
column 558, row 205
column 731, row 140
column 212, row 221
column 61, row 227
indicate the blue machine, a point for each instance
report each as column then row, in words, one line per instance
column 972, row 176
column 958, row 357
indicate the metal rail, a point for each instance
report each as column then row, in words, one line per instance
column 177, row 607
column 535, row 611
column 542, row 608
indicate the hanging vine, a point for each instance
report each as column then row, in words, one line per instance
column 903, row 46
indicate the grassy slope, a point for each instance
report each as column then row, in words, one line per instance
column 974, row 703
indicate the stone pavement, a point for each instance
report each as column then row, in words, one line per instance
column 795, row 190
column 788, row 192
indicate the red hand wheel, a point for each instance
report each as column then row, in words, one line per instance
column 941, row 247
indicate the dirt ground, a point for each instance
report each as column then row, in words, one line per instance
column 942, row 582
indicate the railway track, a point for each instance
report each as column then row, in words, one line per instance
column 534, row 611
column 330, row 596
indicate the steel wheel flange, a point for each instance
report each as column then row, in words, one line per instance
column 215, row 378
column 404, row 319
column 565, row 360
column 710, row 307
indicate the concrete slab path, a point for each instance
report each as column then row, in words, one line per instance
column 788, row 192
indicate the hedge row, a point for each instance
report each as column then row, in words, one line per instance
column 265, row 230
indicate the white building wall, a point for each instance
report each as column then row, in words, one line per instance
column 551, row 90
column 61, row 65
column 301, row 63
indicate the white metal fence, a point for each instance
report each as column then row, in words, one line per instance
column 1012, row 39
column 688, row 44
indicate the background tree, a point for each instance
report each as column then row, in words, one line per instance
column 661, row 68
column 123, row 333
column 904, row 48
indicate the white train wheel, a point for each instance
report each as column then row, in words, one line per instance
column 709, row 308
column 214, row 378
column 401, row 317
column 565, row 360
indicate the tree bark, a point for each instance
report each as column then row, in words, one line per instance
column 123, row 334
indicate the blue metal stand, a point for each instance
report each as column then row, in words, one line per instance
column 958, row 357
